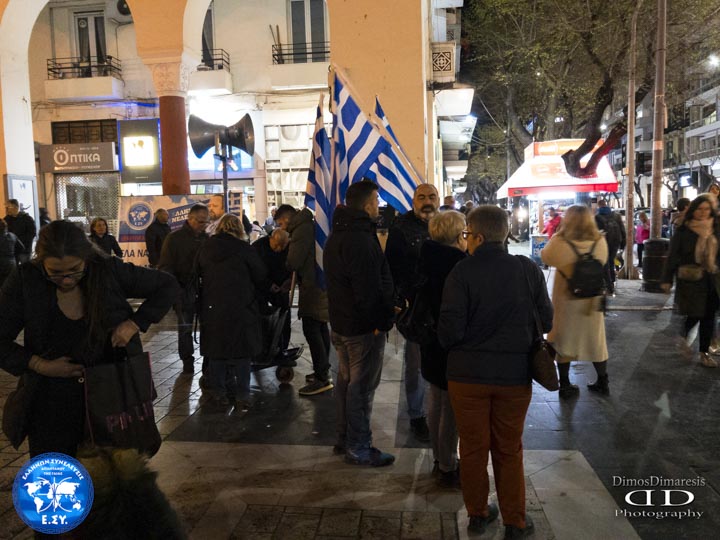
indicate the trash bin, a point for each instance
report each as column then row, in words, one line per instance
column 654, row 257
column 537, row 242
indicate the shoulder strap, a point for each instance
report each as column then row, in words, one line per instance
column 572, row 246
column 536, row 315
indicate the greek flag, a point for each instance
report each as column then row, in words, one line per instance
column 362, row 151
column 320, row 195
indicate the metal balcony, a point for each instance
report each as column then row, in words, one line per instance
column 301, row 53
column 84, row 67
column 215, row 59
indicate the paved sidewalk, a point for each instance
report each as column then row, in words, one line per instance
column 268, row 471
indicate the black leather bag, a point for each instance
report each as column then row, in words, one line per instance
column 417, row 323
column 119, row 405
column 542, row 354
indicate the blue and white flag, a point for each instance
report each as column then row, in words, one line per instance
column 320, row 194
column 362, row 151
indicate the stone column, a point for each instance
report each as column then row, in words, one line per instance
column 171, row 84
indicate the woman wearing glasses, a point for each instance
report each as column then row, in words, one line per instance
column 438, row 257
column 71, row 302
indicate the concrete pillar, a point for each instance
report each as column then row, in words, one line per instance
column 171, row 83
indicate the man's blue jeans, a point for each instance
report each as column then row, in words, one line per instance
column 414, row 383
column 360, row 362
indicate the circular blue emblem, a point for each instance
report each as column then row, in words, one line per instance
column 139, row 216
column 53, row 493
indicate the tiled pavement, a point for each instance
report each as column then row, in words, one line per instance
column 268, row 472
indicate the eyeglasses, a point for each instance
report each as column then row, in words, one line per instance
column 465, row 234
column 59, row 278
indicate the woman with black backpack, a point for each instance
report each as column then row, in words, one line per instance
column 579, row 252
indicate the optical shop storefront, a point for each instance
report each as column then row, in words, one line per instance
column 86, row 181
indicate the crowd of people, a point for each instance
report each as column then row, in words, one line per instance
column 468, row 384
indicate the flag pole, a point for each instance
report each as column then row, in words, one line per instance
column 333, row 181
column 380, row 128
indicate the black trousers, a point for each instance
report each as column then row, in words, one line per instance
column 317, row 335
column 185, row 316
column 707, row 322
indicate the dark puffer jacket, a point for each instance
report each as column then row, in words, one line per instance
column 436, row 262
column 178, row 253
column 486, row 317
column 404, row 241
column 22, row 226
column 232, row 274
column 360, row 287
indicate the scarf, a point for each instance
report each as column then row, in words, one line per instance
column 706, row 248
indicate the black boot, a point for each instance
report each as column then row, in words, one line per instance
column 567, row 390
column 601, row 385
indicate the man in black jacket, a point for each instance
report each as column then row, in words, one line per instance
column 273, row 251
column 403, row 254
column 155, row 235
column 487, row 325
column 360, row 300
column 21, row 225
column 177, row 258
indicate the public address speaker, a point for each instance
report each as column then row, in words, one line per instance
column 202, row 135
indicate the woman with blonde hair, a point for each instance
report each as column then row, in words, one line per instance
column 693, row 263
column 438, row 256
column 578, row 331
column 230, row 333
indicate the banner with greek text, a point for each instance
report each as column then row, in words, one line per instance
column 137, row 213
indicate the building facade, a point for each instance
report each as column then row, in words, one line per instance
column 93, row 68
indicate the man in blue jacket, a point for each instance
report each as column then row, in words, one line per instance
column 487, row 325
column 360, row 302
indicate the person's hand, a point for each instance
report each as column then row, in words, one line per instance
column 665, row 287
column 60, row 367
column 123, row 333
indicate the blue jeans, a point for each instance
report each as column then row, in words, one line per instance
column 414, row 383
column 360, row 362
column 229, row 376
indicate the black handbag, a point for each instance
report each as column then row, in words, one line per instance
column 416, row 323
column 119, row 405
column 542, row 354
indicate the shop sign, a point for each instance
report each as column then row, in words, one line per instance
column 91, row 157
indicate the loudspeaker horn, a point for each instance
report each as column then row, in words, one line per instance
column 202, row 135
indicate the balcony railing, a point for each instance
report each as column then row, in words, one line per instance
column 215, row 59
column 81, row 67
column 301, row 53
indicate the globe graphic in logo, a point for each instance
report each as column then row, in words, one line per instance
column 139, row 216
column 53, row 493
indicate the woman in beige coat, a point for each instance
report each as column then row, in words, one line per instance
column 578, row 331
